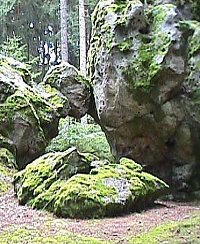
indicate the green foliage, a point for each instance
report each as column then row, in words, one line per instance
column 17, row 15
column 14, row 48
column 86, row 137
column 125, row 45
column 6, row 7
column 7, row 169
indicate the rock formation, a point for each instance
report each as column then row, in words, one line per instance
column 69, row 81
column 28, row 114
column 77, row 185
column 144, row 66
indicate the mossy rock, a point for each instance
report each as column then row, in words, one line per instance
column 47, row 169
column 7, row 158
column 72, row 85
column 144, row 64
column 29, row 113
column 97, row 190
column 7, row 169
column 110, row 190
column 18, row 66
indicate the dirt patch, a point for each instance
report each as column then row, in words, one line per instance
column 117, row 229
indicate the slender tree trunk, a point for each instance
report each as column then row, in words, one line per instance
column 64, row 31
column 82, row 32
column 83, row 47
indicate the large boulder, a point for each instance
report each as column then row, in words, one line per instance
column 73, row 85
column 47, row 169
column 144, row 64
column 28, row 114
column 77, row 185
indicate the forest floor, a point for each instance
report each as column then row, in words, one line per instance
column 33, row 226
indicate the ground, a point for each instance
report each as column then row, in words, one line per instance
column 21, row 224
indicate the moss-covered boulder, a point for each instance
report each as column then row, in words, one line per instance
column 28, row 113
column 144, row 66
column 7, row 169
column 75, row 185
column 38, row 176
column 73, row 85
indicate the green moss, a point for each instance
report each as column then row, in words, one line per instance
column 125, row 45
column 7, row 158
column 186, row 231
column 7, row 169
column 56, row 100
column 39, row 175
column 195, row 7
column 51, row 182
column 193, row 40
column 23, row 235
column 143, row 69
column 15, row 66
column 193, row 65
column 103, row 34
column 107, row 191
column 19, row 105
column 55, row 76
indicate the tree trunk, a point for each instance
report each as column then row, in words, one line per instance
column 64, row 31
column 82, row 32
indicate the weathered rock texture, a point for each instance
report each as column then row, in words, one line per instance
column 144, row 64
column 28, row 115
column 68, row 80
column 72, row 184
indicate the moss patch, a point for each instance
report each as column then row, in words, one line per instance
column 28, row 113
column 153, row 48
column 193, row 65
column 175, row 232
column 24, row 235
column 39, row 175
column 7, row 169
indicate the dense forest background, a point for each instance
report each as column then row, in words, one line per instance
column 31, row 31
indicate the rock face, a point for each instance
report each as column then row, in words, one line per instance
column 28, row 114
column 71, row 184
column 144, row 64
column 68, row 80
